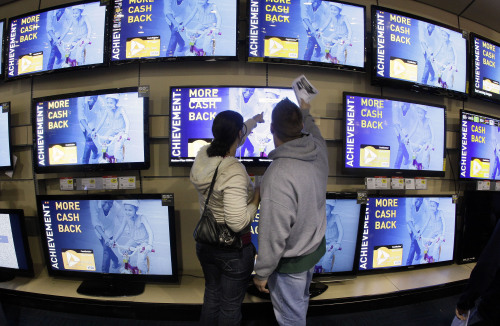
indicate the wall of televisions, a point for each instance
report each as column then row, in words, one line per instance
column 129, row 88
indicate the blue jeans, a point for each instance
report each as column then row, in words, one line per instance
column 290, row 296
column 401, row 154
column 414, row 249
column 227, row 275
column 107, row 256
column 428, row 71
column 312, row 46
column 175, row 39
column 89, row 147
column 54, row 54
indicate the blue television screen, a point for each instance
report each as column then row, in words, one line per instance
column 385, row 136
column 100, row 130
column 173, row 29
column 5, row 147
column 2, row 40
column 14, row 247
column 192, row 110
column 319, row 32
column 57, row 38
column 401, row 232
column 408, row 49
column 485, row 74
column 480, row 146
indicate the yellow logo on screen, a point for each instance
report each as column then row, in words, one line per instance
column 79, row 260
column 375, row 156
column 388, row 256
column 139, row 47
column 63, row 154
column 30, row 63
column 490, row 85
column 404, row 69
column 480, row 168
column 281, row 47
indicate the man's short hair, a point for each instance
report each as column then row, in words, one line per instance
column 287, row 120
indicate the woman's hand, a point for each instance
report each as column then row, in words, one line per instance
column 259, row 118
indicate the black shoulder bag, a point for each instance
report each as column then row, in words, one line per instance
column 208, row 231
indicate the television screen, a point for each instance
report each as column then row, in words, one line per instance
column 6, row 146
column 413, row 52
column 480, row 211
column 402, row 232
column 15, row 256
column 321, row 33
column 387, row 136
column 485, row 75
column 129, row 237
column 192, row 110
column 480, row 146
column 174, row 29
column 2, row 41
column 63, row 37
column 100, row 130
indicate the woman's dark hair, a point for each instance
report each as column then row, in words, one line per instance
column 226, row 128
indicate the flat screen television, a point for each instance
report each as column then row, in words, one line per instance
column 174, row 30
column 109, row 240
column 407, row 232
column 192, row 110
column 66, row 37
column 15, row 256
column 479, row 146
column 479, row 213
column 412, row 52
column 385, row 136
column 2, row 46
column 485, row 76
column 319, row 33
column 6, row 143
column 90, row 131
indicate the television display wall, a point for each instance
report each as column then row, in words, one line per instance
column 387, row 136
column 192, row 110
column 411, row 51
column 174, row 29
column 485, row 75
column 479, row 146
column 401, row 232
column 323, row 33
column 101, row 130
column 5, row 141
column 131, row 236
column 58, row 38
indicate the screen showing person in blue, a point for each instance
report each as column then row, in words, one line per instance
column 1, row 45
column 173, row 28
column 94, row 129
column 12, row 254
column 319, row 31
column 193, row 110
column 56, row 39
column 5, row 157
column 480, row 147
column 108, row 236
column 389, row 134
column 420, row 52
column 486, row 74
column 407, row 231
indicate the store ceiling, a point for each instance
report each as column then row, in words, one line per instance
column 484, row 12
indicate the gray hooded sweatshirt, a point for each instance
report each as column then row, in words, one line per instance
column 292, row 213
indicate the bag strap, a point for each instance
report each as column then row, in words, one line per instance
column 212, row 185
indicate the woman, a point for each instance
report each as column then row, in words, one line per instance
column 234, row 201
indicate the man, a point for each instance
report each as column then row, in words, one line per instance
column 292, row 222
column 88, row 115
column 403, row 120
column 333, row 236
column 175, row 12
column 57, row 23
column 314, row 17
column 484, row 283
column 414, row 221
column 430, row 41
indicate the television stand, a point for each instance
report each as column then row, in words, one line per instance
column 110, row 288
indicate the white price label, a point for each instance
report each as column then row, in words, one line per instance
column 410, row 184
column 397, row 183
column 110, row 182
column 483, row 185
column 126, row 182
column 66, row 184
column 88, row 183
column 420, row 184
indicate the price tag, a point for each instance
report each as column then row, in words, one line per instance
column 370, row 183
column 410, row 184
column 397, row 183
column 110, row 182
column 66, row 184
column 497, row 186
column 420, row 183
column 378, row 183
column 88, row 183
column 483, row 185
column 126, row 182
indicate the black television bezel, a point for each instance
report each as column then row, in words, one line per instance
column 92, row 167
column 3, row 53
column 334, row 276
column 105, row 55
column 174, row 278
column 495, row 98
column 409, row 85
column 29, row 272
column 171, row 59
column 11, row 166
column 419, row 266
column 388, row 172
column 254, row 163
column 462, row 111
column 332, row 66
